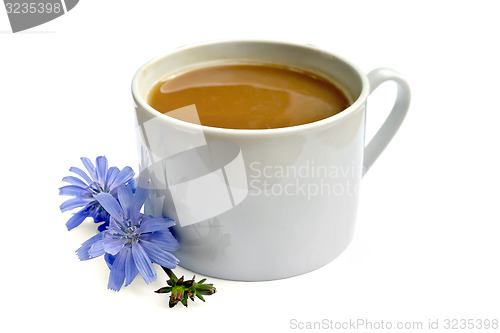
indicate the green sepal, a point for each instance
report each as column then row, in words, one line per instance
column 164, row 290
column 182, row 290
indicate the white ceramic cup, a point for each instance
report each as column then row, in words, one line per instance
column 260, row 204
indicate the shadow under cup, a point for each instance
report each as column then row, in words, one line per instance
column 254, row 204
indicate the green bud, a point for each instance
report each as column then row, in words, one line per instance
column 182, row 290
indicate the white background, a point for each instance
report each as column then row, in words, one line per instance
column 427, row 235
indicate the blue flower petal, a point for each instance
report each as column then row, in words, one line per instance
column 102, row 226
column 113, row 245
column 140, row 196
column 132, row 184
column 111, row 176
column 163, row 239
column 72, row 190
column 83, row 251
column 97, row 249
column 116, row 227
column 131, row 270
column 90, row 168
column 82, row 174
column 159, row 256
column 77, row 219
column 74, row 203
column 143, row 263
column 109, row 259
column 117, row 274
column 123, row 176
column 156, row 224
column 75, row 181
column 109, row 203
column 101, row 163
column 125, row 196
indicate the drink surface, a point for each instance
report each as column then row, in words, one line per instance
column 249, row 96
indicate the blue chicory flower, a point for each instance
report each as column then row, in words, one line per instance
column 100, row 179
column 132, row 241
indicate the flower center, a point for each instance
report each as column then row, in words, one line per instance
column 95, row 188
column 131, row 234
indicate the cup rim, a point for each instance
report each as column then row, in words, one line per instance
column 332, row 120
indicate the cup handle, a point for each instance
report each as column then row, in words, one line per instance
column 391, row 125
